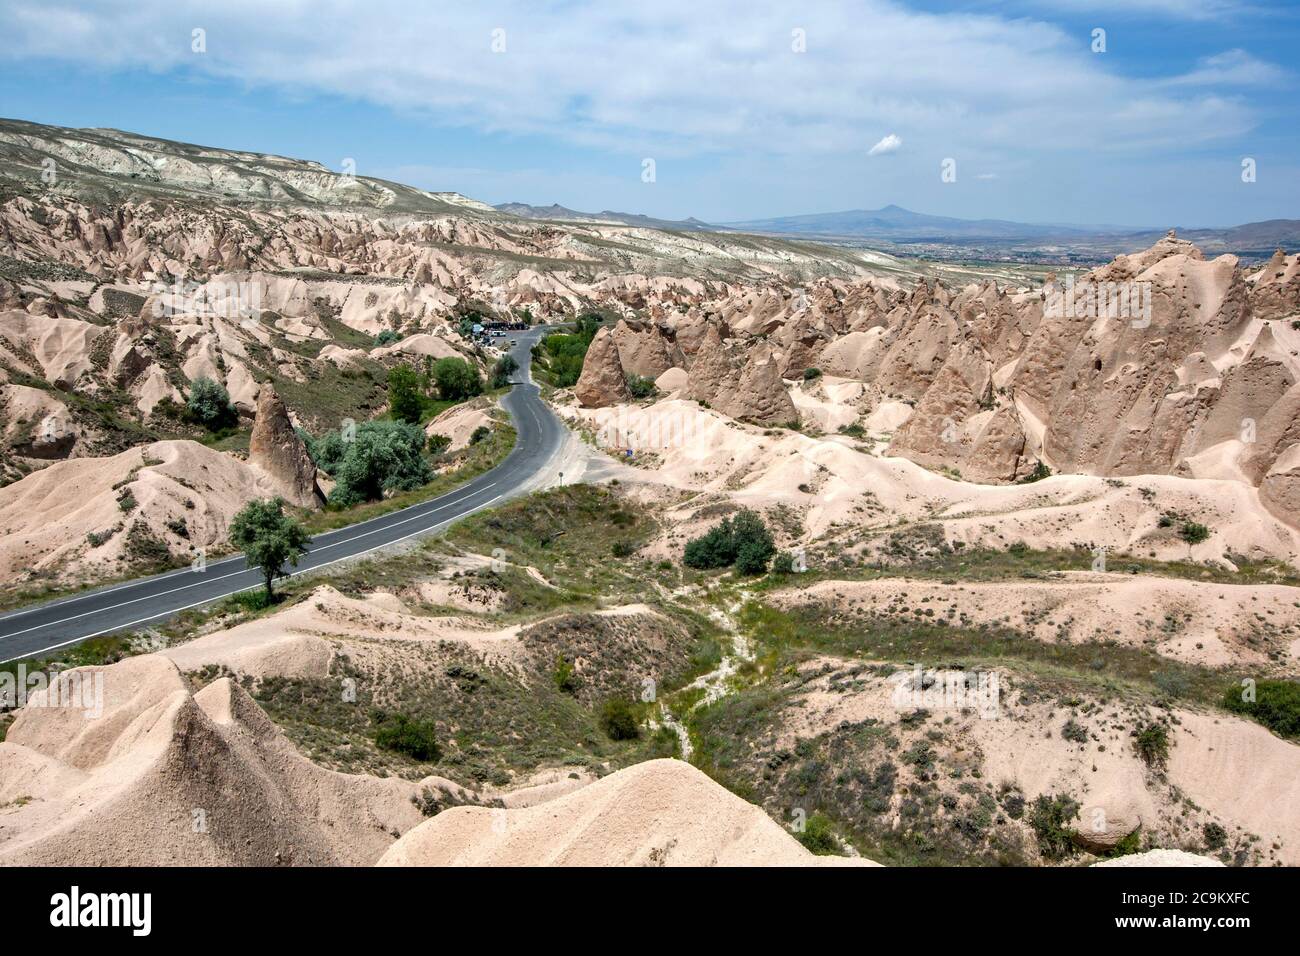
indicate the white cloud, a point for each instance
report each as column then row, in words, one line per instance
column 1231, row 68
column 662, row 79
column 889, row 144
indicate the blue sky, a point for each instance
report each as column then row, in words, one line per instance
column 748, row 109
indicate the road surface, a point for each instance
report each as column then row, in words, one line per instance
column 137, row 604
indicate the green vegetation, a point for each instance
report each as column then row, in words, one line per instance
column 809, row 374
column 741, row 540
column 406, row 396
column 1152, row 745
column 818, row 835
column 562, row 354
column 269, row 538
column 1193, row 532
column 618, row 720
column 1050, row 819
column 209, row 405
column 1276, row 705
column 456, row 380
column 383, row 456
column 640, row 386
column 437, row 444
column 387, row 337
column 504, row 367
column 416, row 739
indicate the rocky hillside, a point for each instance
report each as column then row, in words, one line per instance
column 1198, row 375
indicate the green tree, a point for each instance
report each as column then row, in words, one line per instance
column 437, row 444
column 502, row 370
column 269, row 538
column 742, row 540
column 618, row 720
column 405, row 394
column 382, row 457
column 456, row 379
column 209, row 404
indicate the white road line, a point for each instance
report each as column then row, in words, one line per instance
column 217, row 597
column 233, row 574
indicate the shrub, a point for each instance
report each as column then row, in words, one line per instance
column 437, row 444
column 1276, row 705
column 209, row 405
column 783, row 563
column 456, row 379
column 564, row 676
column 387, row 337
column 405, row 394
column 622, row 549
column 1193, row 532
column 405, row 735
column 640, row 386
column 618, row 720
column 1075, row 731
column 811, row 373
column 1152, row 745
column 505, row 367
column 818, row 835
column 1050, row 818
column 479, row 434
column 1040, row 472
column 382, row 457
column 1215, row 836
column 741, row 539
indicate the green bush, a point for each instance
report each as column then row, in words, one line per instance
column 437, row 444
column 387, row 337
column 405, row 735
column 209, row 405
column 505, row 367
column 1216, row 838
column 741, row 540
column 406, row 394
column 1276, row 705
column 1040, row 472
column 783, row 563
column 456, row 379
column 383, row 457
column 1193, row 532
column 565, row 353
column 618, row 720
column 1050, row 818
column 818, row 836
column 640, row 386
column 811, row 373
column 1152, row 745
column 479, row 434
column 564, row 676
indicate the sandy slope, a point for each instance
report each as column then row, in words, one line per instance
column 1203, row 623
column 659, row 813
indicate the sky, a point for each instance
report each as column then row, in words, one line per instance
column 1126, row 112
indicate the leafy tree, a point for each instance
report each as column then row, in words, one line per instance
column 456, row 379
column 437, row 444
column 565, row 353
column 383, row 456
column 502, row 370
column 742, row 540
column 387, row 337
column 618, row 720
column 269, row 538
column 209, row 405
column 1275, row 704
column 407, row 735
column 405, row 394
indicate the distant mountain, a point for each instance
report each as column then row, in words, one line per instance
column 902, row 225
column 560, row 213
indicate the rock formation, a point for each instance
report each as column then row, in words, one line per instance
column 602, row 381
column 276, row 449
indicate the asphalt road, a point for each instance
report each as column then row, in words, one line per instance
column 137, row 604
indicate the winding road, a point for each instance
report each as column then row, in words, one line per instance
column 41, row 628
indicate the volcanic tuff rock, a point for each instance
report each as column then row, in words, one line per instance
column 276, row 449
column 602, row 381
